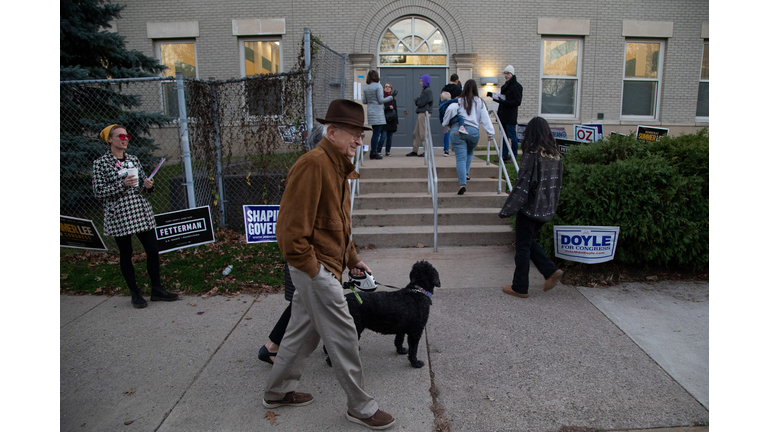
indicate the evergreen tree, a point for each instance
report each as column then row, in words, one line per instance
column 89, row 52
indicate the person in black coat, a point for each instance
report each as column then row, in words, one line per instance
column 512, row 93
column 390, row 113
column 454, row 88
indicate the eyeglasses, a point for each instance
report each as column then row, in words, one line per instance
column 125, row 137
column 361, row 136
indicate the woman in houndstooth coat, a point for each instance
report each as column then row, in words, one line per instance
column 116, row 177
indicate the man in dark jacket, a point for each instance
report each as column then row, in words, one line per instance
column 423, row 108
column 510, row 97
column 454, row 88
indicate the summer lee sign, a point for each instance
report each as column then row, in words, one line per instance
column 586, row 244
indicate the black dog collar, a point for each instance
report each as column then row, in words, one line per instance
column 419, row 289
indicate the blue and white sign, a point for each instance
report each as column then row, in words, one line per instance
column 586, row 244
column 599, row 127
column 260, row 222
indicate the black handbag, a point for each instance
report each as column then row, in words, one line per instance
column 390, row 115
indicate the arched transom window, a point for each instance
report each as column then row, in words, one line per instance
column 413, row 42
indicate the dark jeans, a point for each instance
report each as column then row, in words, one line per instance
column 148, row 240
column 388, row 140
column 377, row 139
column 527, row 250
column 511, row 131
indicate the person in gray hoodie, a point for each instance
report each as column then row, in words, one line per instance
column 423, row 108
column 373, row 96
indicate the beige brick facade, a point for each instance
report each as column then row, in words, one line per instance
column 497, row 32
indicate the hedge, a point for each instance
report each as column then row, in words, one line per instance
column 656, row 192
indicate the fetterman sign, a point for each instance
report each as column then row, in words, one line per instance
column 183, row 228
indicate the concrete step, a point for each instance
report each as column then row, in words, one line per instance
column 478, row 169
column 424, row 216
column 449, row 235
column 386, row 201
column 416, row 185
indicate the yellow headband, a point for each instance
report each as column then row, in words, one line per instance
column 106, row 132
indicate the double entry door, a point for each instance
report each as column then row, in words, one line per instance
column 406, row 82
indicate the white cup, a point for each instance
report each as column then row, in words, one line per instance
column 133, row 172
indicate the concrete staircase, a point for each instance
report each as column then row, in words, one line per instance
column 394, row 208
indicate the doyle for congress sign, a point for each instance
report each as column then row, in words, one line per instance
column 183, row 228
column 260, row 223
column 586, row 244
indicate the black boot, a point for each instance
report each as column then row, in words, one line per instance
column 137, row 300
column 160, row 294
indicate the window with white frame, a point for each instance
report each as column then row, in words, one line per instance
column 643, row 62
column 560, row 76
column 260, row 56
column 702, row 103
column 178, row 56
column 413, row 41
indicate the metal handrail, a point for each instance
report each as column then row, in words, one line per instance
column 354, row 185
column 429, row 159
column 505, row 142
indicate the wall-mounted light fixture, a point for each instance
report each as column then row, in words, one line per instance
column 491, row 81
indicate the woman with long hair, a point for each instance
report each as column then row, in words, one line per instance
column 474, row 112
column 534, row 199
column 118, row 180
column 373, row 96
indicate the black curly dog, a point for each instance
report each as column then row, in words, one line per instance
column 402, row 312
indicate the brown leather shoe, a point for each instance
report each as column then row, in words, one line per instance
column 553, row 280
column 507, row 289
column 378, row 421
column 290, row 399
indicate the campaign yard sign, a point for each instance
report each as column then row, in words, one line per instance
column 599, row 127
column 183, row 229
column 647, row 133
column 564, row 144
column 557, row 132
column 79, row 234
column 260, row 221
column 586, row 244
column 584, row 133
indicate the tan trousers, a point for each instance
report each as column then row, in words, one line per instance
column 419, row 132
column 319, row 310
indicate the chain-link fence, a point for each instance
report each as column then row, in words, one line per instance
column 244, row 135
column 328, row 79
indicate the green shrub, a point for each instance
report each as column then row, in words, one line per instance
column 656, row 192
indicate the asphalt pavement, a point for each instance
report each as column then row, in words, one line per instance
column 629, row 357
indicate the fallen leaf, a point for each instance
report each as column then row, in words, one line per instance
column 65, row 275
column 419, row 245
column 200, row 313
column 239, row 360
column 652, row 278
column 271, row 416
column 98, row 291
column 129, row 392
column 192, row 304
column 490, row 398
column 246, row 318
column 128, row 422
column 97, row 278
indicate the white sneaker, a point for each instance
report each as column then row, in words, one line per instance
column 445, row 153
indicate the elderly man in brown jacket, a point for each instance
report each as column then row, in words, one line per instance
column 313, row 232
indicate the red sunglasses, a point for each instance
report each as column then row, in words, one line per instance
column 125, row 137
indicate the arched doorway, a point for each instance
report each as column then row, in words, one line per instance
column 409, row 48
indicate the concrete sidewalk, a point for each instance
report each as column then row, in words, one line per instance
column 627, row 357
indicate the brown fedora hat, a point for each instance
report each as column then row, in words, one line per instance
column 345, row 112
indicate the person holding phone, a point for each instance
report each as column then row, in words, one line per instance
column 117, row 177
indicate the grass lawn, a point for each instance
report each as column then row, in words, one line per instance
column 257, row 268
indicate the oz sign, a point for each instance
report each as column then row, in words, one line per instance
column 585, row 134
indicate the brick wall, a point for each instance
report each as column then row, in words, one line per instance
column 500, row 32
